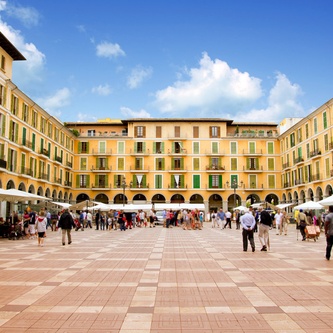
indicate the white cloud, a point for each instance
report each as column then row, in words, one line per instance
column 138, row 75
column 282, row 102
column 213, row 87
column 31, row 68
column 29, row 16
column 102, row 90
column 3, row 5
column 128, row 113
column 54, row 103
column 109, row 50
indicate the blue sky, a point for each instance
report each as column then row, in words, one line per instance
column 245, row 60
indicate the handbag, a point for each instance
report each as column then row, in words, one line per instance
column 302, row 223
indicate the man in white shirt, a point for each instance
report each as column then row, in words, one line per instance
column 278, row 222
column 228, row 219
column 248, row 223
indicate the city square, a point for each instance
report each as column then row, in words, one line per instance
column 165, row 280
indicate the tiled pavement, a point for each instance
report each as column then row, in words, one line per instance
column 165, row 280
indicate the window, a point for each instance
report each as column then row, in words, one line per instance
column 49, row 130
column 253, row 181
column 325, row 120
column 140, row 131
column 233, row 147
column 101, row 181
column 271, row 181
column 214, row 163
column 3, row 63
column 34, row 119
column 11, row 160
column 139, row 147
column 177, row 163
column 177, row 147
column 270, row 147
column 25, row 112
column 299, row 135
column 101, row 163
column 102, row 147
column 13, row 131
column 270, row 163
column 158, row 147
column 233, row 162
column 214, row 132
column 215, row 181
column 158, row 181
column 2, row 95
column 159, row 164
column 121, row 147
column 2, row 124
column 326, row 142
column 14, row 105
column 83, row 147
column 306, row 131
column 215, row 147
column 121, row 163
column 91, row 133
column 196, row 181
column 315, row 126
column 83, row 181
column 196, row 149
column 177, row 131
column 139, row 163
column 252, row 163
column 196, row 163
column 42, row 124
column 195, row 132
column 327, row 168
column 158, row 131
column 252, row 147
column 307, row 150
column 292, row 140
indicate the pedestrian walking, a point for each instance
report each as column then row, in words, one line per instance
column 41, row 225
column 248, row 223
column 329, row 232
column 265, row 224
column 66, row 223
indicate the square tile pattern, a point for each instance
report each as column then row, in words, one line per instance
column 151, row 280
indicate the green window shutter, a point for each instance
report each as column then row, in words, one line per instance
column 77, row 180
column 253, row 181
column 107, row 163
column 80, row 147
column 3, row 125
column 24, row 136
column 252, row 147
column 144, row 181
column 248, row 163
column 173, row 147
column 144, row 147
column 115, row 180
column 270, row 148
column 234, row 164
column 182, row 163
column 234, row 179
column 220, row 181
column 299, row 151
column 325, row 120
column 163, row 164
column 196, row 181
column 210, row 181
column 33, row 141
column 173, row 164
column 158, row 181
column 271, row 181
column 270, row 164
column 182, row 181
column 9, row 159
column 162, row 147
column 154, row 147
column 97, row 163
column 49, row 150
column 215, row 147
column 41, row 143
column 121, row 163
column 22, row 162
column 195, row 147
column 135, row 147
column 196, row 163
column 233, row 147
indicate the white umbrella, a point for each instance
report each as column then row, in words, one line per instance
column 309, row 205
column 241, row 208
column 64, row 205
column 327, row 201
column 13, row 195
column 283, row 206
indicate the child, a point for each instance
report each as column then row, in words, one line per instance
column 41, row 223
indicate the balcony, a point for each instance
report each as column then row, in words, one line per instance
column 315, row 153
column 299, row 182
column 250, row 152
column 26, row 172
column 26, row 145
column 44, row 152
column 177, row 152
column 100, row 186
column 253, row 187
column 176, row 170
column 43, row 176
column 286, row 165
column 286, row 185
column 214, row 167
column 57, row 180
column 139, row 152
column 97, row 152
column 214, row 188
column 58, row 159
column 298, row 160
column 214, row 153
column 177, row 187
column 316, row 177
column 138, row 187
column 101, row 168
column 68, row 183
column 3, row 164
column 69, row 164
column 139, row 168
column 253, row 169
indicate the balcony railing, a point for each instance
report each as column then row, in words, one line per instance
column 215, row 167
column 27, row 171
column 26, row 143
column 101, row 185
column 285, row 165
column 315, row 177
column 177, row 187
column 69, row 164
column 298, row 160
column 43, row 176
column 252, row 152
column 58, row 159
column 315, row 152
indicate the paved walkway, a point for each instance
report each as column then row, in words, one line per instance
column 165, row 280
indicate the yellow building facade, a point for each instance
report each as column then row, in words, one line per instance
column 217, row 162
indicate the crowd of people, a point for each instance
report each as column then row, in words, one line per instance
column 32, row 225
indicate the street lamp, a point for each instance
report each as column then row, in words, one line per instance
column 235, row 186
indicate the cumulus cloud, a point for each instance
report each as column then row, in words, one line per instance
column 109, row 50
column 213, row 87
column 138, row 75
column 29, row 16
column 32, row 67
column 282, row 102
column 102, row 90
column 128, row 113
column 55, row 102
